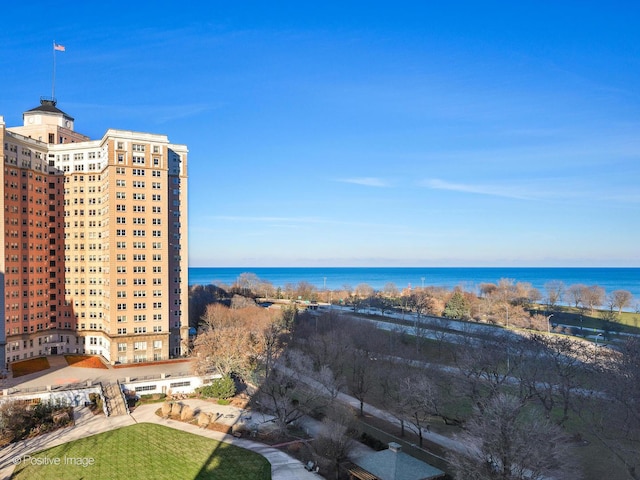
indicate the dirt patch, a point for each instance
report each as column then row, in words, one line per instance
column 85, row 361
column 32, row 365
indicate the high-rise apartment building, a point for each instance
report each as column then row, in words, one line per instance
column 94, row 242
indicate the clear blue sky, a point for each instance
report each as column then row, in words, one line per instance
column 364, row 134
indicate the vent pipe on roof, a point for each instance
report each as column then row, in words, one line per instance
column 395, row 447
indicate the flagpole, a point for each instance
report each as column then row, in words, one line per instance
column 53, row 81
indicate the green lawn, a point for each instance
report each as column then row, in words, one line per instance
column 146, row 450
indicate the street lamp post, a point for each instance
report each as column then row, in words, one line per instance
column 549, row 324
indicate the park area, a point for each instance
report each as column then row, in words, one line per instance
column 144, row 451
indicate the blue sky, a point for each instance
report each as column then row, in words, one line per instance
column 364, row 133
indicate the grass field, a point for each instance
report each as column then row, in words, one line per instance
column 145, row 450
column 25, row 367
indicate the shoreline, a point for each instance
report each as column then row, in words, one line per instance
column 335, row 278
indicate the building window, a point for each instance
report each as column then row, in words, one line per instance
column 180, row 384
column 146, row 388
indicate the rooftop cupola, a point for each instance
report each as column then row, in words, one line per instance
column 47, row 114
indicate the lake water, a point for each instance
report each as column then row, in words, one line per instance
column 468, row 277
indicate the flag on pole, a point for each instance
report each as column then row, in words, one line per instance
column 58, row 47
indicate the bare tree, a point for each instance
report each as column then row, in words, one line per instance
column 289, row 291
column 426, row 301
column 525, row 294
column 362, row 377
column 286, row 395
column 332, row 348
column 518, row 316
column 506, row 290
column 417, row 404
column 538, row 322
column 555, row 367
column 273, row 341
column 421, row 331
column 441, row 332
column 390, row 290
column 482, row 366
column 201, row 296
column 382, row 303
column 487, row 289
column 593, row 297
column 507, row 441
column 240, row 301
column 615, row 418
column 576, row 293
column 247, row 283
column 534, row 295
column 266, row 289
column 555, row 292
column 363, row 291
column 390, row 381
column 620, row 299
column 334, row 442
column 232, row 340
column 306, row 291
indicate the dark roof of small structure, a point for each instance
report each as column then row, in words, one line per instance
column 48, row 106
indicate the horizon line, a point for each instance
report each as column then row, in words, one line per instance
column 413, row 266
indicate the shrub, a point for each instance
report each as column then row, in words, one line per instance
column 14, row 420
column 18, row 420
column 152, row 397
column 223, row 387
column 96, row 401
column 372, row 442
column 61, row 417
column 42, row 412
